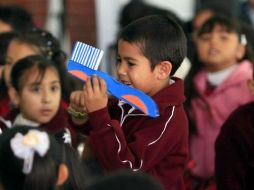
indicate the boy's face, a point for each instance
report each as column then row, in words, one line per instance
column 133, row 69
column 16, row 50
column 219, row 49
column 39, row 100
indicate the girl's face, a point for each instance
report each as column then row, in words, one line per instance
column 16, row 50
column 219, row 49
column 133, row 69
column 39, row 99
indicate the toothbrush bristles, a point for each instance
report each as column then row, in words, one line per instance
column 87, row 55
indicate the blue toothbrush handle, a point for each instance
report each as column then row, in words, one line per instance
column 130, row 95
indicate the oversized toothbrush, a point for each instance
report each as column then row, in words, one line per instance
column 84, row 63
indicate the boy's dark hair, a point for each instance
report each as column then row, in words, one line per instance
column 159, row 37
column 27, row 63
column 45, row 169
column 126, row 180
column 228, row 24
column 17, row 17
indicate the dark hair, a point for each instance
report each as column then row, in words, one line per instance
column 160, row 38
column 73, row 160
column 125, row 180
column 17, row 17
column 5, row 39
column 44, row 173
column 25, row 64
column 49, row 47
column 136, row 9
column 228, row 24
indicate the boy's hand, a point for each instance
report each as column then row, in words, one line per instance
column 95, row 94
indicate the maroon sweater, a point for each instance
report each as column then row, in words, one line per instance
column 123, row 137
column 234, row 162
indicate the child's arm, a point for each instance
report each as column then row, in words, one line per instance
column 153, row 140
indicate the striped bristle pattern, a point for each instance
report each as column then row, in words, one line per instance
column 86, row 55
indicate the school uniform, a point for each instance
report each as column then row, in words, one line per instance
column 123, row 137
column 234, row 161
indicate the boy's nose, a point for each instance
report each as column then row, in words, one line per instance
column 121, row 69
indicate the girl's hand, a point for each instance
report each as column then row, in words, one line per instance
column 77, row 101
column 95, row 94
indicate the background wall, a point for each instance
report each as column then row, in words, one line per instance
column 94, row 21
column 80, row 17
column 107, row 14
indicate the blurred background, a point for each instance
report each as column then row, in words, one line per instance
column 96, row 22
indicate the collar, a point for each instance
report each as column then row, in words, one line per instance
column 216, row 78
column 20, row 120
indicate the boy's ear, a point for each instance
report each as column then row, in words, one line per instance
column 63, row 174
column 164, row 69
column 241, row 51
column 14, row 96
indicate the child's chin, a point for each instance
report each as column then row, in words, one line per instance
column 44, row 120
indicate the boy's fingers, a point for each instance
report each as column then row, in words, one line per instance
column 103, row 85
column 88, row 88
column 96, row 85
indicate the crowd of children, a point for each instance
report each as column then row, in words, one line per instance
column 201, row 139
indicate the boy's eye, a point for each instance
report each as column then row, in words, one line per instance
column 118, row 60
column 130, row 64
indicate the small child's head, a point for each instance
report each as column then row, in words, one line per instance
column 126, row 180
column 36, row 88
column 150, row 50
column 31, row 159
column 220, row 43
column 15, row 18
column 35, row 41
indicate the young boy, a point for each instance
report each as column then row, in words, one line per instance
column 150, row 50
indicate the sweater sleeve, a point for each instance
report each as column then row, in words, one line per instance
column 159, row 140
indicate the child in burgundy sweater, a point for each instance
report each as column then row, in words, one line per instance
column 120, row 135
column 234, row 151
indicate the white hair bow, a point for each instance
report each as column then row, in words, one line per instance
column 24, row 147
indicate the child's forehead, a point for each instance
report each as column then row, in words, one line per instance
column 220, row 28
column 130, row 47
column 37, row 75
